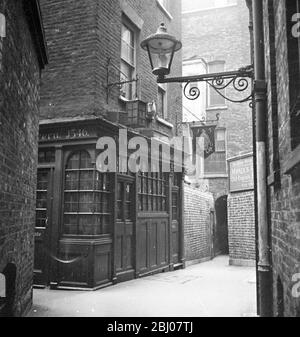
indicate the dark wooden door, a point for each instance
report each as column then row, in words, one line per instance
column 222, row 245
column 125, row 230
column 42, row 226
column 175, row 224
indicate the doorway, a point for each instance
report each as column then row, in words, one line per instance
column 125, row 215
column 221, row 245
column 42, row 226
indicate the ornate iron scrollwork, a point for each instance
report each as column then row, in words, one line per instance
column 239, row 80
column 113, row 73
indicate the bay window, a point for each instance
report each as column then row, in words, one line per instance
column 86, row 197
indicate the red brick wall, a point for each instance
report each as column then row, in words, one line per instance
column 197, row 223
column 81, row 36
column 284, row 187
column 19, row 85
column 241, row 226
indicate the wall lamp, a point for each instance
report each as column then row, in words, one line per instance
column 161, row 48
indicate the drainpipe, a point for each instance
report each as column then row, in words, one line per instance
column 264, row 269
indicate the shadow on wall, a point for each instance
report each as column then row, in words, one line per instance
column 7, row 290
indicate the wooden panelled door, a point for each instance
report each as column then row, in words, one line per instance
column 125, row 230
column 42, row 226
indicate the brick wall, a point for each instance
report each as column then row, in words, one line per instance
column 284, row 185
column 82, row 35
column 197, row 224
column 19, row 84
column 224, row 37
column 241, row 227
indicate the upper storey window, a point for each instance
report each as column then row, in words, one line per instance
column 215, row 99
column 128, row 62
column 199, row 5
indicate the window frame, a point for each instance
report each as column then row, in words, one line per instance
column 104, row 227
column 163, row 89
column 210, row 89
column 133, row 67
column 150, row 199
column 225, row 139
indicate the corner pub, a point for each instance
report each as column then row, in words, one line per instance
column 95, row 229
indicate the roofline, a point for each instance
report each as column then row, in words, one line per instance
column 34, row 17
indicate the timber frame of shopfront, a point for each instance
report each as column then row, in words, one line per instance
column 95, row 229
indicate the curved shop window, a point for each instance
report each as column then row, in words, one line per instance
column 86, row 197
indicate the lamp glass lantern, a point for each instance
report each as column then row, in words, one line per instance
column 161, row 48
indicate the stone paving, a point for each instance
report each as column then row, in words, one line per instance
column 210, row 289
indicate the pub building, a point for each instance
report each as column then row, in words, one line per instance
column 95, row 229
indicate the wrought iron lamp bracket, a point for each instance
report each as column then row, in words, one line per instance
column 240, row 80
column 114, row 72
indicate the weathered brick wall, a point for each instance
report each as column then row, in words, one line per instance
column 284, row 191
column 19, row 80
column 224, row 37
column 82, row 35
column 197, row 223
column 241, row 227
column 218, row 187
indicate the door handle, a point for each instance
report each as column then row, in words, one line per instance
column 46, row 222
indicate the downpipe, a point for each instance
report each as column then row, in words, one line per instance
column 264, row 268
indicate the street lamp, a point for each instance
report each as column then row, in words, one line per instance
column 161, row 48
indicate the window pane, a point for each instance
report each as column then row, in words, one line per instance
column 215, row 99
column 71, row 202
column 85, row 160
column 73, row 163
column 41, row 200
column 87, row 225
column 86, row 202
column 70, row 224
column 126, row 75
column 42, row 180
column 71, row 181
column 86, row 180
column 41, row 216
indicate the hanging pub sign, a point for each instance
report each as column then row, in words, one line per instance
column 208, row 133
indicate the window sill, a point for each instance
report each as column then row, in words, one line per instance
column 164, row 10
column 208, row 9
column 213, row 108
column 164, row 122
column 215, row 176
column 292, row 162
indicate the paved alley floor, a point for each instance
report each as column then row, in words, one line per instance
column 211, row 289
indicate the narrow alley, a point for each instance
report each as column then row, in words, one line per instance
column 211, row 289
